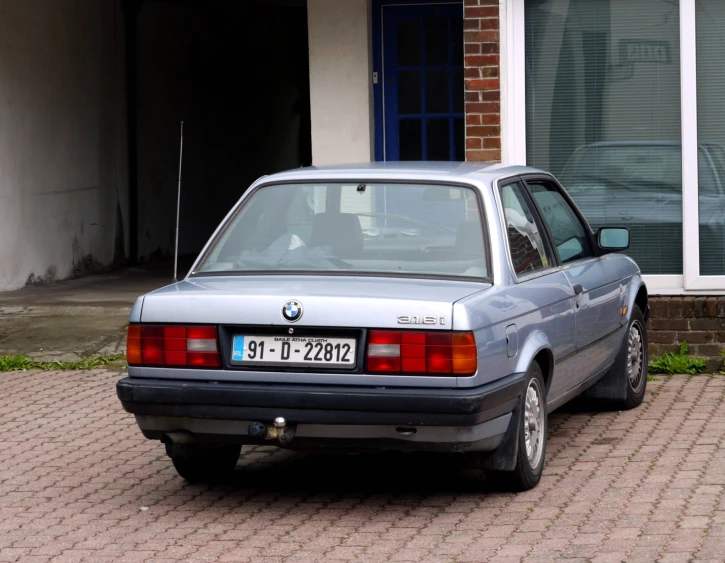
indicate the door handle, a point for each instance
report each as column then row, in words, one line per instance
column 578, row 289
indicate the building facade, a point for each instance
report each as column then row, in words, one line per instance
column 623, row 100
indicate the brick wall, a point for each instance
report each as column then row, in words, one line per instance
column 482, row 72
column 698, row 320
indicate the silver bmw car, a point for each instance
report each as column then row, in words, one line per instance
column 411, row 306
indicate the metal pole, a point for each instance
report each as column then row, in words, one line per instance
column 178, row 205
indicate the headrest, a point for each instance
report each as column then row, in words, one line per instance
column 469, row 240
column 339, row 231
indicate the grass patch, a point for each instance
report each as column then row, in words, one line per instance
column 23, row 363
column 14, row 363
column 670, row 363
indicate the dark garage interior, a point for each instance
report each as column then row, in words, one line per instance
column 237, row 74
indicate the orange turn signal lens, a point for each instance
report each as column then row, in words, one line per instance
column 465, row 354
column 133, row 345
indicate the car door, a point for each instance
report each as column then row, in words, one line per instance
column 599, row 289
column 542, row 295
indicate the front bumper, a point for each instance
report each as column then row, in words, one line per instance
column 321, row 415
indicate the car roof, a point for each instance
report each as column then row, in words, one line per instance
column 441, row 171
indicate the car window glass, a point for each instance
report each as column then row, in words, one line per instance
column 570, row 236
column 387, row 228
column 526, row 243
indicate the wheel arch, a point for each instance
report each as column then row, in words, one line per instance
column 642, row 301
column 639, row 297
column 537, row 348
column 545, row 359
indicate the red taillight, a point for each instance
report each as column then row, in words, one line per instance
column 173, row 346
column 434, row 353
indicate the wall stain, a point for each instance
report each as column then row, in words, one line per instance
column 84, row 264
column 50, row 276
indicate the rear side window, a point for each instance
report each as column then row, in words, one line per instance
column 367, row 228
column 526, row 244
column 570, row 236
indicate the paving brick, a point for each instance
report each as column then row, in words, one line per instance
column 634, row 486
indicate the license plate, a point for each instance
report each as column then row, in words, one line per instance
column 293, row 351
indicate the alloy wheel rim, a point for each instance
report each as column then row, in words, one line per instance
column 635, row 363
column 534, row 423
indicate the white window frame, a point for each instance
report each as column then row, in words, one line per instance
column 513, row 138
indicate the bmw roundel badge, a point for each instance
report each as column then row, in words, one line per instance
column 292, row 311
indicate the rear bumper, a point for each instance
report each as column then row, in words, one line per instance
column 224, row 411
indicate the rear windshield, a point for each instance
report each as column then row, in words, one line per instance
column 355, row 228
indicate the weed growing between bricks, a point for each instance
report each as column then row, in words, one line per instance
column 699, row 321
column 23, row 363
column 671, row 363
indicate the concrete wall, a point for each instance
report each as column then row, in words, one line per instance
column 340, row 81
column 63, row 169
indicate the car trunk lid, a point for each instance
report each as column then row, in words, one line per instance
column 326, row 301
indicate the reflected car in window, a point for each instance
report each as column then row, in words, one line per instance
column 638, row 184
column 412, row 307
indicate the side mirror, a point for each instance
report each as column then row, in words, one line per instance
column 613, row 239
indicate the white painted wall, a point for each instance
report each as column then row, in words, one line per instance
column 63, row 170
column 340, row 81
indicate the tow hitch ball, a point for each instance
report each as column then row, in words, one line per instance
column 278, row 430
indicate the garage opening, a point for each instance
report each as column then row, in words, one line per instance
column 237, row 74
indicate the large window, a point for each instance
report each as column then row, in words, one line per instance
column 603, row 114
column 710, row 29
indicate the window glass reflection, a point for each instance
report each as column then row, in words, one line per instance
column 603, row 114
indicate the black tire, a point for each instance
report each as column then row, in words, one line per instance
column 527, row 472
column 204, row 463
column 624, row 385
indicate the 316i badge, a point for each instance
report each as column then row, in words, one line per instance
column 292, row 311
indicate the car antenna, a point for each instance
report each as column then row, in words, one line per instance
column 178, row 205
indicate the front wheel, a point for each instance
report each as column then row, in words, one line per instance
column 636, row 364
column 624, row 385
column 532, row 435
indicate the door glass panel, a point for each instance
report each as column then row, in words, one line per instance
column 409, row 92
column 409, row 42
column 526, row 243
column 710, row 21
column 570, row 236
column 410, row 139
column 603, row 115
column 438, row 139
column 422, row 49
column 459, row 139
column 436, row 41
column 457, row 39
column 436, row 91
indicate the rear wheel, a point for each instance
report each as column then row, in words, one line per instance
column 532, row 435
column 204, row 463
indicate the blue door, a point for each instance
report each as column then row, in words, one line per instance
column 421, row 82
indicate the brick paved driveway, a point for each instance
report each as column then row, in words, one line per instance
column 642, row 485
